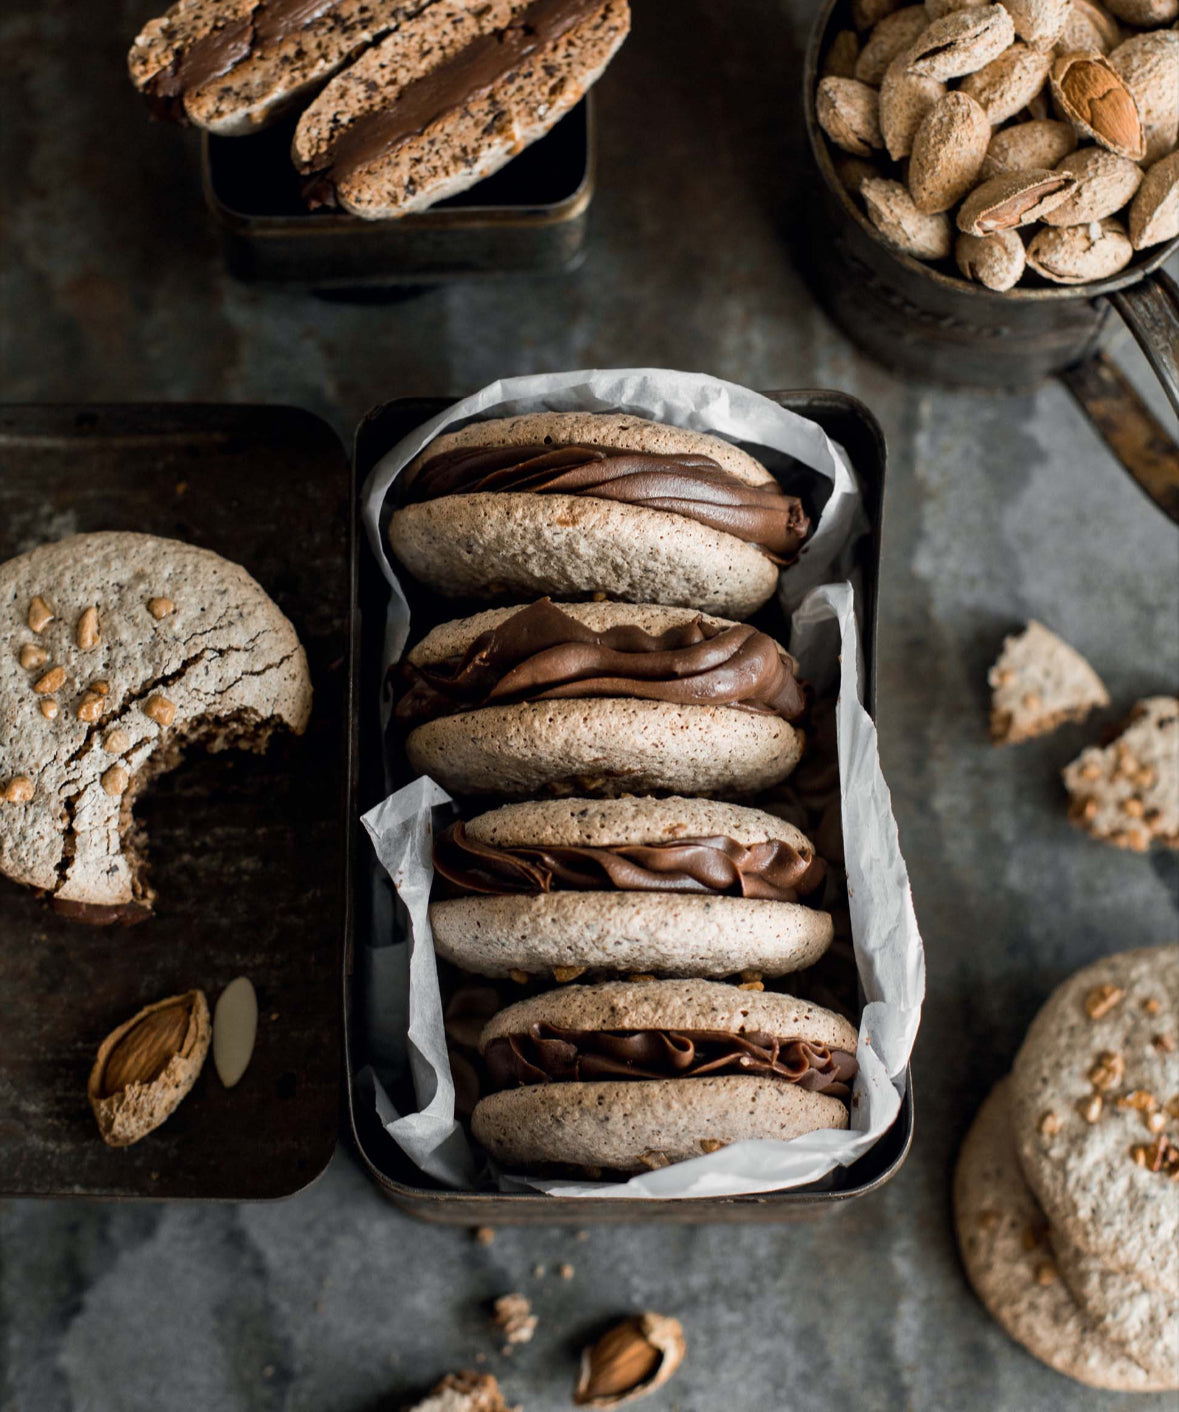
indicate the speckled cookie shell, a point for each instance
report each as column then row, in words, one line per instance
column 655, row 933
column 1127, row 793
column 1003, row 1238
column 602, row 746
column 640, row 1125
column 500, row 544
column 1083, row 1173
column 678, row 1004
column 1142, row 1321
column 482, row 132
column 223, row 660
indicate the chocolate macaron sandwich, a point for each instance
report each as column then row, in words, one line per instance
column 599, row 699
column 578, row 504
column 681, row 887
column 633, row 1075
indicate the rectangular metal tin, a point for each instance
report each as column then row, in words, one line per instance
column 851, row 424
column 246, row 850
column 529, row 217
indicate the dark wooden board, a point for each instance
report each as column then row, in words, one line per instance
column 246, row 850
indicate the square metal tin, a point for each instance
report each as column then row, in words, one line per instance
column 246, row 850
column 851, row 424
column 529, row 217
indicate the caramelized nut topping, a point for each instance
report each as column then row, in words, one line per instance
column 19, row 790
column 116, row 780
column 1050, row 1124
column 564, row 974
column 40, row 614
column 1164, row 1043
column 87, row 634
column 1107, row 1072
column 49, row 708
column 1090, row 1108
column 32, row 655
column 91, row 707
column 1102, row 999
column 160, row 710
column 117, row 741
column 53, row 680
column 160, row 607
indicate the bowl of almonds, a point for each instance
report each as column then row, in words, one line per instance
column 990, row 171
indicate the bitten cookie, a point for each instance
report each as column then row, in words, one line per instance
column 1128, row 793
column 1009, row 1260
column 450, row 97
column 576, row 503
column 233, row 66
column 1038, row 683
column 116, row 652
column 1095, row 1112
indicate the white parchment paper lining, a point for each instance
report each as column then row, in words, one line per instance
column 819, row 596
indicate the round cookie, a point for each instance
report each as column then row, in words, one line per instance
column 1110, row 1033
column 503, row 543
column 604, row 745
column 1002, row 1235
column 656, row 932
column 116, row 651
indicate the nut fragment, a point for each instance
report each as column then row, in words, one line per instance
column 1015, row 199
column 40, row 614
column 1108, row 1070
column 19, row 790
column 1154, row 214
column 997, row 260
column 629, row 1361
column 32, row 655
column 1050, row 1123
column 1078, row 254
column 49, row 708
column 892, row 211
column 962, row 42
column 146, row 1066
column 91, row 707
column 117, row 741
column 1094, row 98
column 52, row 681
column 87, row 634
column 160, row 607
column 1102, row 999
column 159, row 709
column 849, row 113
column 116, row 780
column 1090, row 1108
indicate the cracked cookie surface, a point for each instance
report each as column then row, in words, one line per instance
column 116, row 651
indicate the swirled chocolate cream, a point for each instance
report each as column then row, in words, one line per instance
column 599, row 699
column 561, row 889
column 633, row 1075
column 450, row 97
column 573, row 503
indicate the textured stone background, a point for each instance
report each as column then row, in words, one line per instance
column 998, row 508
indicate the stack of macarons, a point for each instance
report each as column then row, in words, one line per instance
column 621, row 702
column 405, row 102
column 1066, row 1193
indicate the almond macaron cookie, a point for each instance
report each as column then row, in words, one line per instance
column 233, row 66
column 579, row 503
column 681, row 887
column 118, row 651
column 629, row 1076
column 450, row 96
column 599, row 699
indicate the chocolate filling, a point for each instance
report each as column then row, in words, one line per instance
column 467, row 77
column 773, row 870
column 543, row 654
column 681, row 484
column 549, row 1054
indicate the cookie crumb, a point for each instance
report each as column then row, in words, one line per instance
column 513, row 1314
column 484, row 1235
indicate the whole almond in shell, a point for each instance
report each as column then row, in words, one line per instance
column 1154, row 214
column 1039, row 22
column 1149, row 66
column 962, row 42
column 905, row 98
column 997, row 260
column 892, row 36
column 849, row 113
column 1145, row 14
column 842, row 55
column 1092, row 95
column 1105, row 183
column 1088, row 28
column 1078, row 254
column 892, row 211
column 1023, row 147
column 1009, row 83
column 948, row 151
column 1015, row 199
column 145, row 1068
column 866, row 13
column 935, row 9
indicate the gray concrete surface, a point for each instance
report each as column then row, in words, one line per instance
column 998, row 508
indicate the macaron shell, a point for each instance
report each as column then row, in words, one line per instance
column 1002, row 1235
column 634, row 1126
column 661, row 933
column 605, row 746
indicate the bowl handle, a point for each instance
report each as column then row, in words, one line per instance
column 1137, row 438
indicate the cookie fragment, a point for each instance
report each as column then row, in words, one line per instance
column 1127, row 794
column 1038, row 683
column 465, row 1392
